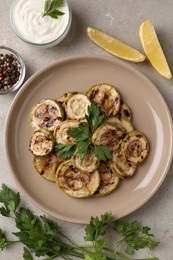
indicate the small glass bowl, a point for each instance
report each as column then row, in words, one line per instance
column 18, row 84
column 32, row 43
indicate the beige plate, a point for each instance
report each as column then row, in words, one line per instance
column 150, row 115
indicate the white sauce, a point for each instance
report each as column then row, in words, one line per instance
column 29, row 23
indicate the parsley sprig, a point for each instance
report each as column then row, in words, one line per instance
column 51, row 8
column 82, row 137
column 134, row 236
column 43, row 237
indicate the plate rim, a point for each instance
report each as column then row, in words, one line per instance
column 84, row 57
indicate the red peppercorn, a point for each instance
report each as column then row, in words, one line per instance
column 1, row 74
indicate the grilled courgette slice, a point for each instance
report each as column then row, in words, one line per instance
column 76, row 183
column 109, row 180
column 135, row 147
column 124, row 112
column 121, row 166
column 89, row 163
column 76, row 106
column 60, row 133
column 108, row 134
column 124, row 124
column 64, row 98
column 47, row 113
column 105, row 97
column 46, row 166
column 42, row 142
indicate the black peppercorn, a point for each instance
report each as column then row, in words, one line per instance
column 10, row 70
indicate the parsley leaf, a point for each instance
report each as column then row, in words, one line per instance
column 47, row 5
column 65, row 150
column 82, row 149
column 102, row 152
column 38, row 234
column 95, row 232
column 134, row 236
column 3, row 240
column 51, row 8
column 10, row 200
column 26, row 254
column 55, row 14
column 25, row 220
column 94, row 117
column 56, row 4
column 97, row 227
column 80, row 133
column 50, row 227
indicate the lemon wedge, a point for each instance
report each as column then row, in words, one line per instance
column 153, row 49
column 114, row 46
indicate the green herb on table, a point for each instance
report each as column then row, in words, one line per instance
column 95, row 232
column 43, row 238
column 82, row 137
column 26, row 254
column 51, row 8
column 10, row 200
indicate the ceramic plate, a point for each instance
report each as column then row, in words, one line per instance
column 150, row 116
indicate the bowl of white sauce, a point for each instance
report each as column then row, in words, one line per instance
column 33, row 27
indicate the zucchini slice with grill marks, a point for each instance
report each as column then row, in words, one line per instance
column 46, row 166
column 60, row 133
column 108, row 134
column 124, row 124
column 127, row 125
column 89, row 164
column 76, row 106
column 121, row 166
column 47, row 113
column 105, row 97
column 64, row 98
column 135, row 147
column 124, row 112
column 42, row 142
column 109, row 180
column 76, row 183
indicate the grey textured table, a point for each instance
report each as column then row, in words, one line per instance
column 120, row 18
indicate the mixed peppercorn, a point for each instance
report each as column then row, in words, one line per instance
column 10, row 70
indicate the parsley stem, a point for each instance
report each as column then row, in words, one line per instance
column 152, row 258
column 12, row 242
column 68, row 239
column 115, row 252
column 67, row 252
column 82, row 248
column 124, row 257
column 73, row 252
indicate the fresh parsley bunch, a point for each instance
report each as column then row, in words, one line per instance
column 43, row 238
column 82, row 137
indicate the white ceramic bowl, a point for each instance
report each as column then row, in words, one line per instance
column 29, row 25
